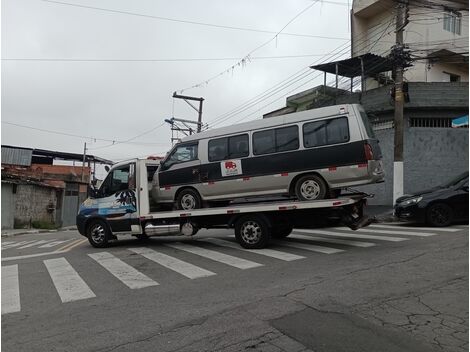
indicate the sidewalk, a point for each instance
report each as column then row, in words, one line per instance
column 16, row 232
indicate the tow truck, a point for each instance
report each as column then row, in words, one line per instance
column 122, row 205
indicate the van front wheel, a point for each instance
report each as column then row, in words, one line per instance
column 188, row 199
column 310, row 187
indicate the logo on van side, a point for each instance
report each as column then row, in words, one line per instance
column 231, row 167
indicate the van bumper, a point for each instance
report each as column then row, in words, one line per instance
column 81, row 219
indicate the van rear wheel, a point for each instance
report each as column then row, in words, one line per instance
column 310, row 187
column 188, row 199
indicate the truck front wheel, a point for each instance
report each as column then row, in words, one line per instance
column 98, row 233
column 252, row 232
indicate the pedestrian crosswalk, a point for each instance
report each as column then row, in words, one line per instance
column 33, row 244
column 199, row 259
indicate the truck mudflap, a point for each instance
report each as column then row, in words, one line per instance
column 354, row 218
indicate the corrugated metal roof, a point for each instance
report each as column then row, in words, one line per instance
column 16, row 156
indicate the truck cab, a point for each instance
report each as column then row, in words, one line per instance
column 123, row 195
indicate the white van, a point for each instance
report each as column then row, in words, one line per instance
column 308, row 155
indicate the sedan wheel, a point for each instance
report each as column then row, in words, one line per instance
column 440, row 215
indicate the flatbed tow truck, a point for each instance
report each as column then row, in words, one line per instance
column 123, row 206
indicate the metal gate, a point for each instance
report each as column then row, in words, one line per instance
column 70, row 208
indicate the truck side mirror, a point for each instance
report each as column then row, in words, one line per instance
column 106, row 167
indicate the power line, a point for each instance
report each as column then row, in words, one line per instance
column 296, row 77
column 128, row 141
column 190, row 22
column 247, row 58
column 159, row 60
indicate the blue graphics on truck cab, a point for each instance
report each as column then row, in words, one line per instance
column 115, row 201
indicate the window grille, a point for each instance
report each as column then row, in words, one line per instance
column 431, row 123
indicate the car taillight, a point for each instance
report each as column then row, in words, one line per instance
column 368, row 151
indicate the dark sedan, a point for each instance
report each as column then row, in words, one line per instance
column 438, row 206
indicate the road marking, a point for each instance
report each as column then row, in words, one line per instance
column 216, row 256
column 52, row 244
column 355, row 235
column 4, row 243
column 129, row 276
column 16, row 244
column 415, row 228
column 69, row 285
column 331, row 240
column 69, row 246
column 267, row 252
column 189, row 270
column 10, row 289
column 388, row 232
column 34, row 244
column 309, row 247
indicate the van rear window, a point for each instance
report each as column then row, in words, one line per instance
column 326, row 132
column 367, row 125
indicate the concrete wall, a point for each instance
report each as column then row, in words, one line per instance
column 8, row 205
column 431, row 157
column 32, row 202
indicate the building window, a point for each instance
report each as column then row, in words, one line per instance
column 453, row 22
column 450, row 77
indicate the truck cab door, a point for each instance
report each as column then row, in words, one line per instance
column 117, row 201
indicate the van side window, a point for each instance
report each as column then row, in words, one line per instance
column 238, row 146
column 287, row 138
column 326, row 132
column 228, row 147
column 276, row 140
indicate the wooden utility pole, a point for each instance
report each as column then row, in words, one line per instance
column 402, row 21
column 199, row 111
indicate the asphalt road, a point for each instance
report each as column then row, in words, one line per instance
column 378, row 289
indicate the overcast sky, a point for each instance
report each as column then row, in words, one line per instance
column 118, row 100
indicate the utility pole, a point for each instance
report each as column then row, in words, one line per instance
column 398, row 53
column 199, row 111
column 84, row 158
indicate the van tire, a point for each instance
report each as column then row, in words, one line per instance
column 98, row 233
column 310, row 187
column 252, row 232
column 188, row 199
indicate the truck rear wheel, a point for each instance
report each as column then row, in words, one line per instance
column 98, row 233
column 252, row 232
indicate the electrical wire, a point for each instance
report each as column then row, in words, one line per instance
column 188, row 22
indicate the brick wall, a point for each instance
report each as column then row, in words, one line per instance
column 431, row 157
column 32, row 202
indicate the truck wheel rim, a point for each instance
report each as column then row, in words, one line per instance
column 98, row 233
column 310, row 189
column 188, row 202
column 251, row 232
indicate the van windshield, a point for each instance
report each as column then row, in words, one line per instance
column 367, row 125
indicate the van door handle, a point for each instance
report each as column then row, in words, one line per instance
column 195, row 171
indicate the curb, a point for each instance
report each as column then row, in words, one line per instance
column 33, row 231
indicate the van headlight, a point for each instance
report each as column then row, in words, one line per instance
column 409, row 201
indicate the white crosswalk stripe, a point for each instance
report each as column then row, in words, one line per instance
column 129, row 276
column 69, row 285
column 331, row 240
column 399, row 227
column 266, row 252
column 216, row 256
column 388, row 232
column 356, row 234
column 309, row 247
column 52, row 244
column 10, row 289
column 36, row 243
column 4, row 243
column 189, row 270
